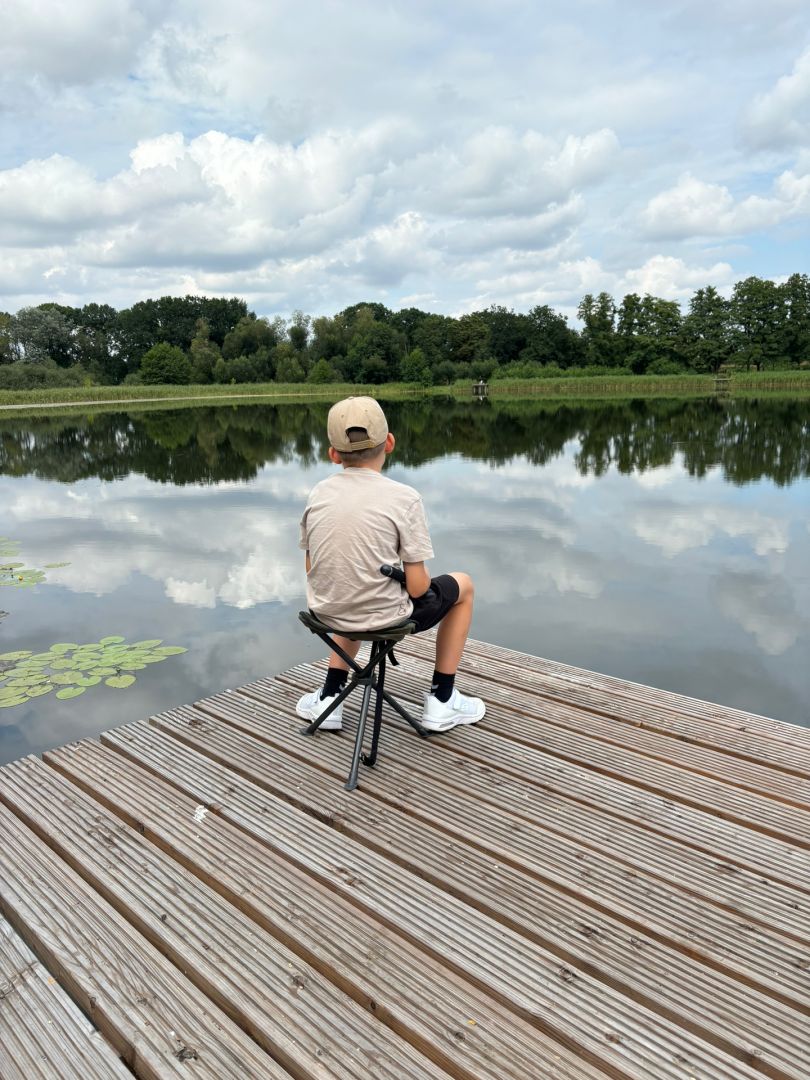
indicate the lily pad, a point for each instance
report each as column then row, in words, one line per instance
column 55, row 565
column 146, row 644
column 170, row 650
column 120, row 682
column 112, row 640
column 38, row 691
column 64, row 678
column 6, row 703
column 88, row 680
column 131, row 667
column 19, row 655
column 63, row 647
column 69, row 692
column 64, row 665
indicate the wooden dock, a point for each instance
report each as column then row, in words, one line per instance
column 598, row 880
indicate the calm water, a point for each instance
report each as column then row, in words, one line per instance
column 665, row 542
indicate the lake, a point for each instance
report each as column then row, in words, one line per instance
column 666, row 542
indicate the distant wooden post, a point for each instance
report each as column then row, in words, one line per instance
column 722, row 382
column 480, row 389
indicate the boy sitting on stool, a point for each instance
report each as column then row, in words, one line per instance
column 354, row 522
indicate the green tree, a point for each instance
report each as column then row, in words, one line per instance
column 407, row 321
column 551, row 340
column 648, row 332
column 6, row 345
column 165, row 364
column 509, row 333
column 416, row 369
column 43, row 333
column 298, row 330
column 706, row 331
column 289, row 368
column 248, row 336
column 330, row 340
column 759, row 322
column 97, row 344
column 203, row 353
column 374, row 351
column 469, row 339
column 432, row 336
column 322, row 372
column 796, row 295
column 599, row 332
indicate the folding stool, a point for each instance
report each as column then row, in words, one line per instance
column 371, row 677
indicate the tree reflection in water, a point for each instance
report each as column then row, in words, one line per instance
column 750, row 440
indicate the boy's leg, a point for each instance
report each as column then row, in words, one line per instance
column 455, row 626
column 444, row 705
column 338, row 669
column 311, row 705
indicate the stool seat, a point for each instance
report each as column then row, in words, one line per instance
column 395, row 632
column 371, row 677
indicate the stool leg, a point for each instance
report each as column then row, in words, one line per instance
column 370, row 758
column 368, row 681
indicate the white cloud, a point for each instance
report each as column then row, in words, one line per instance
column 762, row 606
column 302, row 155
column 781, row 116
column 73, row 41
column 696, row 208
column 675, row 528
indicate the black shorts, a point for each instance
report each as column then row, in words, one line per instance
column 431, row 607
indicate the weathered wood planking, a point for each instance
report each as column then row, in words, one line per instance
column 598, row 880
column 42, row 1031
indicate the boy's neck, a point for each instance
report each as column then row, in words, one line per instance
column 366, row 466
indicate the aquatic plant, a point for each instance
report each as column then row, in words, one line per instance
column 17, row 575
column 69, row 669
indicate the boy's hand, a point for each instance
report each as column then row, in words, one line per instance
column 417, row 579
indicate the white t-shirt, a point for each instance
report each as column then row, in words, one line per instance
column 355, row 521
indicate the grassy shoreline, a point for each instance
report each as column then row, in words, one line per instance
column 45, row 400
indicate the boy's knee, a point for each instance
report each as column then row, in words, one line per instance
column 466, row 589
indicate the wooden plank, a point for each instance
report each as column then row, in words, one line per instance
column 787, row 823
column 426, row 1001
column 781, row 768
column 160, row 1024
column 703, row 1000
column 298, row 1017
column 720, row 936
column 580, row 679
column 542, row 796
column 42, row 1032
column 579, row 1011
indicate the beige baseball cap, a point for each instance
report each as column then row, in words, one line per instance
column 356, row 412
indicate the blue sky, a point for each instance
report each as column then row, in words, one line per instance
column 451, row 156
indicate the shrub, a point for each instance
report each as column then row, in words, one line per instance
column 28, row 376
column 165, row 364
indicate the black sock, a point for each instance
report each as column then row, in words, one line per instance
column 442, row 686
column 334, row 682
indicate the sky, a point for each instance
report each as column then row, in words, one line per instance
column 449, row 156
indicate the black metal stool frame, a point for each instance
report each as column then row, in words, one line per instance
column 382, row 649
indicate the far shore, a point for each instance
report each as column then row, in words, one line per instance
column 741, row 383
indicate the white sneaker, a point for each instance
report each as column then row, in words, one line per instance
column 310, row 706
column 443, row 715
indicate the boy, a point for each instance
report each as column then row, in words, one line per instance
column 354, row 522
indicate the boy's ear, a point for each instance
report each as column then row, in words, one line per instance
column 334, row 456
column 390, row 442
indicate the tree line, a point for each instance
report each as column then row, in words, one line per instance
column 194, row 339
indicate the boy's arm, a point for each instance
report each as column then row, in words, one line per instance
column 308, row 563
column 417, row 579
